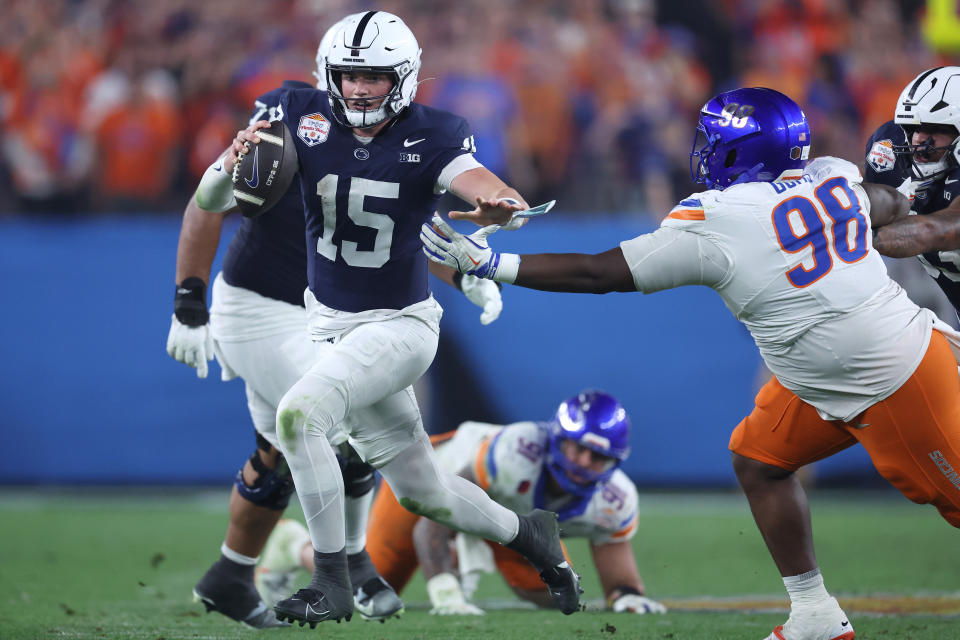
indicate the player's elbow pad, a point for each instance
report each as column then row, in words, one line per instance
column 215, row 191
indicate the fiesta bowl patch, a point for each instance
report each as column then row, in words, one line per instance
column 313, row 129
column 881, row 156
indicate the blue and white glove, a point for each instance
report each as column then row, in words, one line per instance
column 485, row 294
column 633, row 603
column 470, row 255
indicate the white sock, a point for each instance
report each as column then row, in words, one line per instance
column 357, row 512
column 806, row 590
column 239, row 558
column 444, row 497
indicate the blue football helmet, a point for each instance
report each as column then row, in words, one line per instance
column 749, row 135
column 595, row 420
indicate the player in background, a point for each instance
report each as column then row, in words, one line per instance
column 787, row 246
column 258, row 327
column 569, row 465
column 372, row 167
column 919, row 150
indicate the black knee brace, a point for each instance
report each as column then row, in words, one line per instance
column 358, row 478
column 272, row 488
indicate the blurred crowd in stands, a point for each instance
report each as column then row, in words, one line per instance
column 120, row 105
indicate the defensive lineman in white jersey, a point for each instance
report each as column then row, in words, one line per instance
column 790, row 252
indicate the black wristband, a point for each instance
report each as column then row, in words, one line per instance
column 620, row 591
column 458, row 280
column 190, row 302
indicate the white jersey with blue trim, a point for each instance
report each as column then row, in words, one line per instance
column 365, row 199
column 794, row 261
column 509, row 463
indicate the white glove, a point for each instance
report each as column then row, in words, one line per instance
column 908, row 188
column 447, row 597
column 632, row 603
column 474, row 558
column 193, row 346
column 485, row 294
column 470, row 255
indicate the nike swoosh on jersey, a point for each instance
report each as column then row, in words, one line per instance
column 410, row 143
column 254, row 178
column 949, row 181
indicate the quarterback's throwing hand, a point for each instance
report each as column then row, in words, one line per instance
column 632, row 603
column 193, row 346
column 470, row 255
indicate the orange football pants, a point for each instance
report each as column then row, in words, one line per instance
column 913, row 436
column 390, row 543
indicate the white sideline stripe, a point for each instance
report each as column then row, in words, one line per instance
column 272, row 139
column 240, row 195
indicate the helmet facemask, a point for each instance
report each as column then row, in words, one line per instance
column 925, row 174
column 930, row 104
column 372, row 42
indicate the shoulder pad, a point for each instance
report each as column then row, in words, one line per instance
column 819, row 169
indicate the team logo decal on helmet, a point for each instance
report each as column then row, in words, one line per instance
column 931, row 101
column 375, row 42
column 748, row 135
column 597, row 421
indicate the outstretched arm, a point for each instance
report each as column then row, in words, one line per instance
column 576, row 272
column 914, row 235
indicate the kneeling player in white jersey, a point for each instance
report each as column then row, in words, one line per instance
column 787, row 246
column 569, row 465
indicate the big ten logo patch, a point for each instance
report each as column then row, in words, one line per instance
column 409, row 157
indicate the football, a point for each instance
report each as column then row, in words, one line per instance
column 264, row 173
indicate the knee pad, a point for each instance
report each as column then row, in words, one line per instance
column 271, row 489
column 358, row 477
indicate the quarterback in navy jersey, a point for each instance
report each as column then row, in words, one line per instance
column 257, row 327
column 372, row 166
column 928, row 163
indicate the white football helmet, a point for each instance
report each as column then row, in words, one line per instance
column 326, row 42
column 932, row 98
column 374, row 41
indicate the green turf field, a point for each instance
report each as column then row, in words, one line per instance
column 90, row 564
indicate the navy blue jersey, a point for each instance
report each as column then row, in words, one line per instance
column 943, row 266
column 268, row 253
column 365, row 203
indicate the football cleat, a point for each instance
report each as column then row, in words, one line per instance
column 310, row 606
column 376, row 600
column 826, row 622
column 235, row 599
column 279, row 567
column 541, row 546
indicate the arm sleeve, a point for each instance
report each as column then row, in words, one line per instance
column 455, row 167
column 670, row 257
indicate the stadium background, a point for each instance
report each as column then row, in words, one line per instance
column 111, row 110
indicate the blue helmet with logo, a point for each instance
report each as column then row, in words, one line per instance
column 594, row 420
column 749, row 135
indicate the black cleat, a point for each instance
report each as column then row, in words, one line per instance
column 539, row 541
column 235, row 598
column 376, row 600
column 312, row 606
